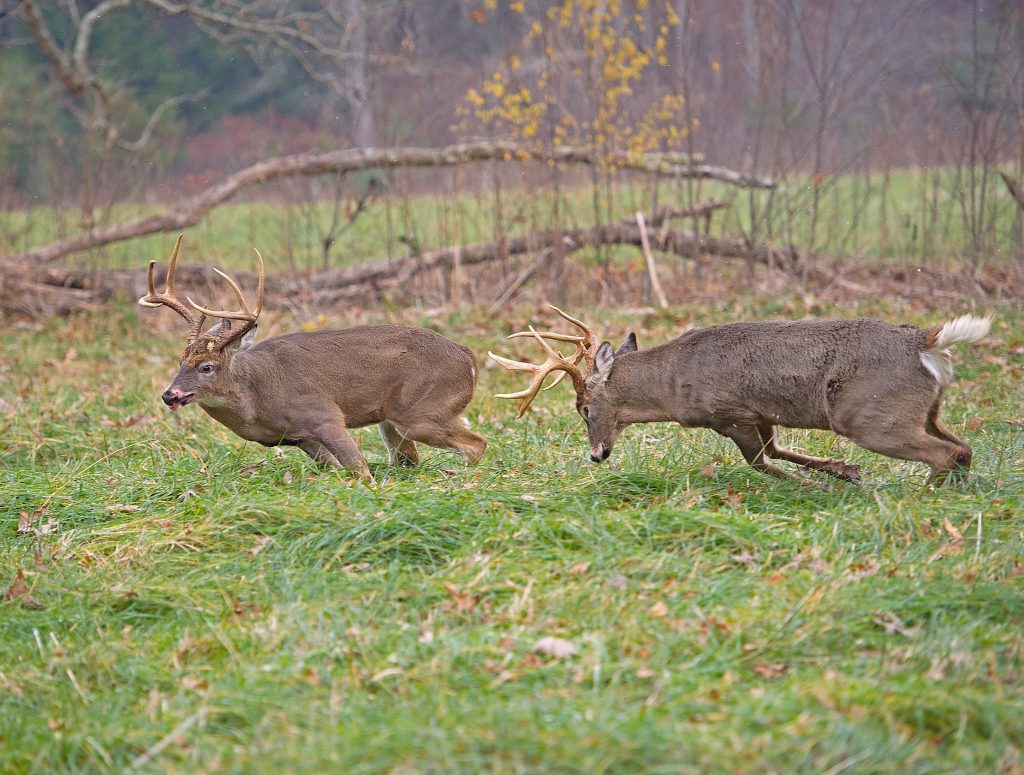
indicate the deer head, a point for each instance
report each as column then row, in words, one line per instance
column 206, row 359
column 598, row 406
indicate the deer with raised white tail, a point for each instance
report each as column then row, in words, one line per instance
column 878, row 384
column 309, row 389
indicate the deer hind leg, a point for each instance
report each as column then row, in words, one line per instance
column 401, row 450
column 940, row 454
column 935, row 427
column 836, row 468
column 748, row 439
column 454, row 435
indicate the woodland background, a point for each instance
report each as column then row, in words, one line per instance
column 860, row 132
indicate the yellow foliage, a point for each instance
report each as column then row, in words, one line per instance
column 589, row 60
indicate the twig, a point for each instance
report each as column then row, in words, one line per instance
column 153, row 751
column 652, row 270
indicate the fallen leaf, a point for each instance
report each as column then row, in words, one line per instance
column 195, row 684
column 354, row 567
column 555, row 647
column 860, row 570
column 19, row 591
column 6, row 408
column 287, row 478
column 937, row 671
column 955, row 535
column 124, row 508
column 770, row 671
column 579, row 568
column 892, row 625
column 744, row 557
column 50, row 526
column 658, row 609
column 25, row 521
column 463, row 602
column 645, row 672
column 260, row 545
column 618, row 581
column 426, row 638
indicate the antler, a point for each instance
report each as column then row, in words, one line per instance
column 246, row 315
column 167, row 298
column 586, row 349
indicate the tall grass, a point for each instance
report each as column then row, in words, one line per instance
column 196, row 603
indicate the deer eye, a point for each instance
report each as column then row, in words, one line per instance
column 206, row 368
column 586, row 412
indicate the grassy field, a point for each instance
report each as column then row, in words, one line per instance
column 182, row 601
column 915, row 214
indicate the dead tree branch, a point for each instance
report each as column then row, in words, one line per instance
column 50, row 290
column 190, row 211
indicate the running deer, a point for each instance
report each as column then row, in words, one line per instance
column 880, row 385
column 309, row 389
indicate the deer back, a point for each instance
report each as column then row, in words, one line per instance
column 788, row 372
column 370, row 373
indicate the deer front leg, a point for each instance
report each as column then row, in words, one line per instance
column 319, row 453
column 749, row 441
column 332, row 445
column 836, row 468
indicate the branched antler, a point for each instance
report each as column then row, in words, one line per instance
column 168, row 299
column 586, row 349
column 247, row 316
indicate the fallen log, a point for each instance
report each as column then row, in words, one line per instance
column 72, row 289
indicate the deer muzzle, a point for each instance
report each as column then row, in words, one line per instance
column 176, row 398
column 599, row 452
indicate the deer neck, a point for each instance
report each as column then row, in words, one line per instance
column 638, row 389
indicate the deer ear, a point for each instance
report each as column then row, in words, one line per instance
column 603, row 360
column 217, row 330
column 629, row 346
column 247, row 339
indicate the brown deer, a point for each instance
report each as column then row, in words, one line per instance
column 309, row 389
column 880, row 385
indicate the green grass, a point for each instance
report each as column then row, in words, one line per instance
column 250, row 612
column 861, row 216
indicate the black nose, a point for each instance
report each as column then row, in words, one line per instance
column 167, row 397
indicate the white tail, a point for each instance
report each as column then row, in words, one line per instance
column 937, row 358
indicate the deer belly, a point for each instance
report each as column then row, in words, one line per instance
column 250, row 431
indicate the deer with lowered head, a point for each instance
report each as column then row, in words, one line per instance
column 878, row 384
column 309, row 389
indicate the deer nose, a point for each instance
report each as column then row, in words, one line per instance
column 172, row 395
column 599, row 452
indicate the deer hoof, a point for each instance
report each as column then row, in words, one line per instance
column 850, row 473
